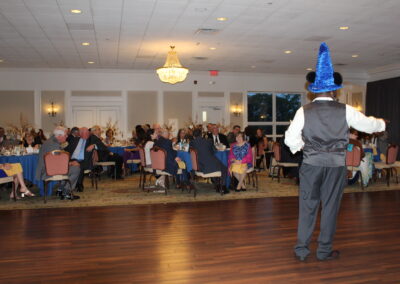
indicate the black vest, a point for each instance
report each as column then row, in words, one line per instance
column 325, row 134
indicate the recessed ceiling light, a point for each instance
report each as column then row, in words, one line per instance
column 85, row 43
column 222, row 19
column 213, row 48
column 288, row 51
column 91, row 62
column 76, row 11
column 253, row 66
column 309, row 69
column 343, row 28
column 354, row 55
column 1, row 60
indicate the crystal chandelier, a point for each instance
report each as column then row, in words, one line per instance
column 172, row 72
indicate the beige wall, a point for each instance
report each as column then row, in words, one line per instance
column 236, row 98
column 57, row 97
column 96, row 93
column 15, row 103
column 178, row 105
column 211, row 94
column 142, row 108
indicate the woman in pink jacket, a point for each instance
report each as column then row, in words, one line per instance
column 239, row 160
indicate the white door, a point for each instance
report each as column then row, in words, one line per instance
column 95, row 115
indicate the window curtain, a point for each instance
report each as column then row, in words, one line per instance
column 383, row 100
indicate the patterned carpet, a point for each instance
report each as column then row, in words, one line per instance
column 126, row 192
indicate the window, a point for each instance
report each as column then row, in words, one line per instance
column 272, row 112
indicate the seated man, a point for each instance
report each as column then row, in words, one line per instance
column 208, row 163
column 54, row 143
column 232, row 135
column 171, row 164
column 104, row 154
column 218, row 138
column 81, row 152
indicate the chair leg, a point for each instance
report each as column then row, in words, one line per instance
column 14, row 190
column 395, row 172
column 220, row 185
column 279, row 174
column 140, row 177
column 256, row 181
column 166, row 184
column 45, row 192
column 387, row 176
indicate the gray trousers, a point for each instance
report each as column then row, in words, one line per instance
column 73, row 175
column 319, row 185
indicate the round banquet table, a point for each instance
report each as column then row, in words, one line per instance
column 29, row 164
column 221, row 155
column 120, row 150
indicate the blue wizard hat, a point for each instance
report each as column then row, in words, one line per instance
column 325, row 79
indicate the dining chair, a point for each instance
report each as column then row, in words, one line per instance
column 390, row 165
column 96, row 162
column 57, row 167
column 197, row 172
column 4, row 180
column 276, row 161
column 251, row 171
column 144, row 169
column 353, row 161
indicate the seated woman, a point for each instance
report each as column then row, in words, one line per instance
column 15, row 171
column 181, row 141
column 29, row 140
column 262, row 143
column 239, row 160
column 109, row 137
column 41, row 137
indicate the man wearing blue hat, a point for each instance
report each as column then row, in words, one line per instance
column 321, row 129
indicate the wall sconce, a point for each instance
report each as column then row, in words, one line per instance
column 52, row 110
column 236, row 110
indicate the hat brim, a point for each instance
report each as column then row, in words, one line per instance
column 322, row 89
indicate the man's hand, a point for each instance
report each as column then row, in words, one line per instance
column 90, row 148
column 74, row 164
column 7, row 167
column 177, row 159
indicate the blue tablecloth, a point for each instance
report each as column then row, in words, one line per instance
column 28, row 163
column 121, row 151
column 221, row 155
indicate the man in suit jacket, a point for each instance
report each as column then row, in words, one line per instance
column 102, row 150
column 81, row 151
column 208, row 163
column 218, row 138
column 166, row 144
column 74, row 133
column 54, row 143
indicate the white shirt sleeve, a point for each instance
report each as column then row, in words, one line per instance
column 360, row 122
column 293, row 138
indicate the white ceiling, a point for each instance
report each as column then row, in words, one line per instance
column 136, row 34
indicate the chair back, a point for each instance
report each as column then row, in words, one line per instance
column 158, row 157
column 95, row 157
column 392, row 154
column 193, row 158
column 276, row 148
column 353, row 158
column 260, row 148
column 142, row 157
column 56, row 163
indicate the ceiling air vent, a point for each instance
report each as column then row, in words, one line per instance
column 206, row 31
column 200, row 58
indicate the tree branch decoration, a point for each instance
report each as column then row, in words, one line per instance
column 112, row 126
column 19, row 131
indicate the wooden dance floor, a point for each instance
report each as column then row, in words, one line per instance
column 239, row 241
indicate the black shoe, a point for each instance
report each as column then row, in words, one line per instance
column 120, row 178
column 79, row 188
column 237, row 190
column 70, row 197
column 59, row 192
column 243, row 189
column 300, row 258
column 331, row 256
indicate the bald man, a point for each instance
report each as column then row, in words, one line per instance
column 81, row 152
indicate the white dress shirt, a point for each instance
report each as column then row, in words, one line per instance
column 147, row 148
column 216, row 139
column 354, row 118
